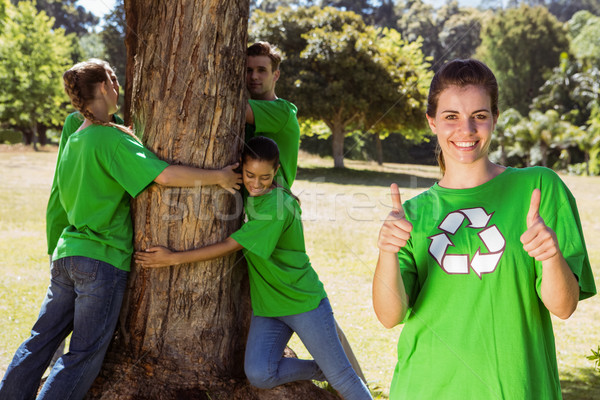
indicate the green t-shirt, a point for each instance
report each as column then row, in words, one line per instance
column 477, row 327
column 56, row 217
column 277, row 120
column 282, row 281
column 99, row 171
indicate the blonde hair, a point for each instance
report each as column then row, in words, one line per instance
column 80, row 83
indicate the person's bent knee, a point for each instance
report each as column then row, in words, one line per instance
column 259, row 377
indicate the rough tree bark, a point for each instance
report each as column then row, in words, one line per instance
column 183, row 329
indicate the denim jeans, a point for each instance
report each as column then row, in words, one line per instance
column 84, row 297
column 266, row 367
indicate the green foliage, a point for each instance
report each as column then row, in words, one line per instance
column 520, row 45
column 92, row 46
column 589, row 142
column 345, row 73
column 3, row 7
column 447, row 33
column 416, row 19
column 565, row 9
column 542, row 138
column 33, row 58
column 461, row 34
column 595, row 357
column 67, row 15
column 571, row 89
column 113, row 38
column 8, row 136
column 584, row 29
column 505, row 135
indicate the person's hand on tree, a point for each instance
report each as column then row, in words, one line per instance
column 395, row 232
column 155, row 257
column 230, row 179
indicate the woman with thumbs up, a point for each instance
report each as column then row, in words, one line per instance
column 474, row 266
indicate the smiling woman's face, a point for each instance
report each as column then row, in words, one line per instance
column 463, row 124
column 258, row 176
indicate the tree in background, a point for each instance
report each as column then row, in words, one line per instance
column 67, row 15
column 571, row 90
column 589, row 143
column 399, row 106
column 448, row 32
column 34, row 56
column 565, row 9
column 416, row 19
column 4, row 4
column 505, row 135
column 584, row 29
column 340, row 71
column 461, row 34
column 520, row 45
column 113, row 38
column 546, row 132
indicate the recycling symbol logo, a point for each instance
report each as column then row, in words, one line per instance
column 481, row 263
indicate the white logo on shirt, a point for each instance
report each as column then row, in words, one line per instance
column 491, row 237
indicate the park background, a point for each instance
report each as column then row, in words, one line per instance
column 378, row 58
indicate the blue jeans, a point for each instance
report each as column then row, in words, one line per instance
column 84, row 297
column 266, row 367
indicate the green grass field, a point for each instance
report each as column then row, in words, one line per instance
column 342, row 212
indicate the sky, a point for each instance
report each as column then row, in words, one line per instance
column 97, row 7
column 101, row 7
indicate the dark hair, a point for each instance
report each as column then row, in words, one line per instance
column 80, row 84
column 461, row 73
column 261, row 148
column 265, row 49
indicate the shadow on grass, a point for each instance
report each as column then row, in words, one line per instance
column 348, row 176
column 583, row 385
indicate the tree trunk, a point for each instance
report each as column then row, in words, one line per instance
column 42, row 134
column 34, row 135
column 544, row 150
column 378, row 149
column 338, row 135
column 27, row 136
column 183, row 329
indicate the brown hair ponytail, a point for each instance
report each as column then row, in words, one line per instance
column 80, row 82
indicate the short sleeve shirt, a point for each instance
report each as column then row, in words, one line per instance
column 56, row 217
column 282, row 280
column 277, row 120
column 477, row 327
column 100, row 170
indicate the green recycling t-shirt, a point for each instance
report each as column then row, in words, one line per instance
column 99, row 171
column 477, row 327
column 56, row 217
column 276, row 119
column 282, row 280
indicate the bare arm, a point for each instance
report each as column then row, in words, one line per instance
column 163, row 257
column 390, row 300
column 249, row 114
column 560, row 289
column 181, row 175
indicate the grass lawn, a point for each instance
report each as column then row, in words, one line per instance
column 342, row 212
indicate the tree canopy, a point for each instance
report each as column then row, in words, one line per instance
column 34, row 56
column 521, row 45
column 67, row 15
column 345, row 73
